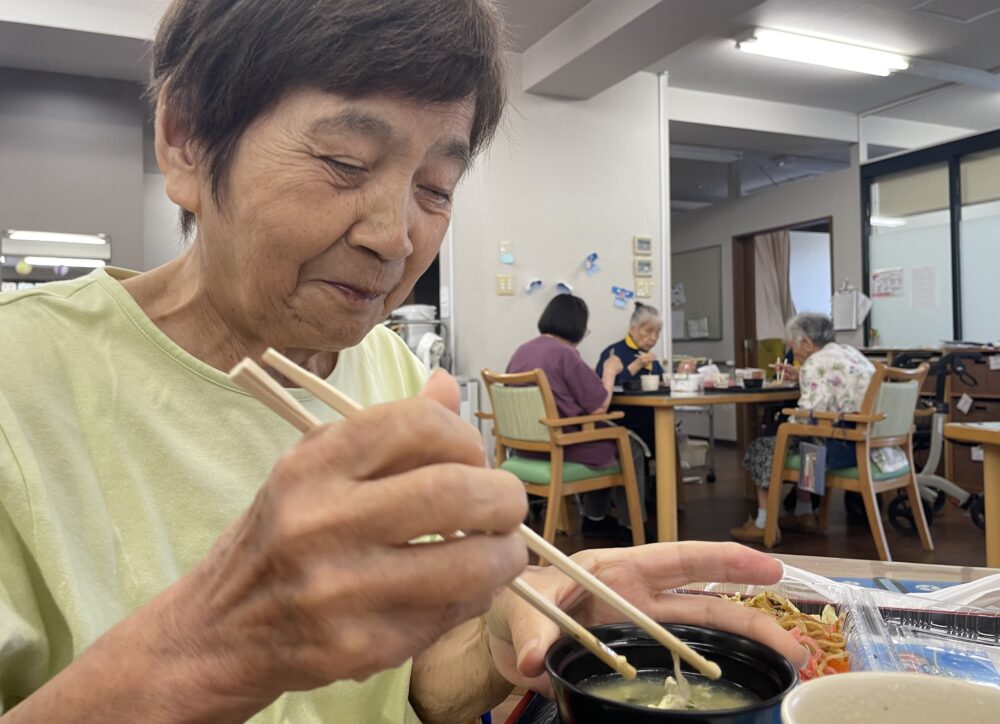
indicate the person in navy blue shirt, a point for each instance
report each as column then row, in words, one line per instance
column 637, row 358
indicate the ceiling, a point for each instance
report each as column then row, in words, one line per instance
column 958, row 32
column 806, row 117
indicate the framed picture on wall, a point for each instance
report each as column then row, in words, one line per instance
column 642, row 246
column 643, row 267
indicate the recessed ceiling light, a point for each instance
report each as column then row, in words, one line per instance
column 819, row 51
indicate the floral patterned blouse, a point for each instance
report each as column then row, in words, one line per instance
column 834, row 379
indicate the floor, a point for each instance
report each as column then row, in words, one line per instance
column 711, row 509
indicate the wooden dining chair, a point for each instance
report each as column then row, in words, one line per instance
column 525, row 418
column 885, row 420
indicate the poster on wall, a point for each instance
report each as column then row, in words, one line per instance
column 923, row 280
column 886, row 282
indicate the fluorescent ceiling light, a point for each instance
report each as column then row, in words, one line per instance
column 48, row 236
column 56, row 261
column 817, row 51
column 887, row 221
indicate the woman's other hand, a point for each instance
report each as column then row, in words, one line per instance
column 520, row 636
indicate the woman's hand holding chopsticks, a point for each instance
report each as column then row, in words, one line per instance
column 520, row 636
column 316, row 582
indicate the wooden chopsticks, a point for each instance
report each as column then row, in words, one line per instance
column 252, row 378
column 248, row 375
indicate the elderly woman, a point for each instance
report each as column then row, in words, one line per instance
column 171, row 550
column 635, row 352
column 833, row 377
column 578, row 391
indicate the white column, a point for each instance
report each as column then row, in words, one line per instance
column 664, row 150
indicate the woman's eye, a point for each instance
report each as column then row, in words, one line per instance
column 440, row 197
column 349, row 169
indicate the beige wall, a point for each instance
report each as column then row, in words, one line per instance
column 565, row 178
column 835, row 194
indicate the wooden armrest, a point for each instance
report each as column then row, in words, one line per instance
column 581, row 420
column 484, row 415
column 833, row 416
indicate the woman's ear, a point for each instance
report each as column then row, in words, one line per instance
column 177, row 158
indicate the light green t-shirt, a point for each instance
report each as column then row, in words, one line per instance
column 122, row 458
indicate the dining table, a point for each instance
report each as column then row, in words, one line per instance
column 664, row 406
column 986, row 434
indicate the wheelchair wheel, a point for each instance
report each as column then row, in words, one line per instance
column 901, row 515
column 710, row 477
column 977, row 512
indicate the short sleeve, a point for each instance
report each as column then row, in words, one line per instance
column 584, row 383
column 24, row 659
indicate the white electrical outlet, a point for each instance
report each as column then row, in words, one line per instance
column 643, row 287
column 505, row 285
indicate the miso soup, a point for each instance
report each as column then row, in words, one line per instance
column 647, row 689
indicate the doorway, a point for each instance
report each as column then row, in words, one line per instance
column 777, row 273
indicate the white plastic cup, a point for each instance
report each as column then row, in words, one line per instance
column 650, row 383
column 890, row 698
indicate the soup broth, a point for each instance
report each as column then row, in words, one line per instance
column 648, row 689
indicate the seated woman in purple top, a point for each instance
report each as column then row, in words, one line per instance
column 579, row 391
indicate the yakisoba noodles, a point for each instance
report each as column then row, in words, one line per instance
column 822, row 634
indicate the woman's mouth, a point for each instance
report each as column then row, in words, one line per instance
column 355, row 295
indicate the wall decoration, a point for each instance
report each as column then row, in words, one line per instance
column 590, row 265
column 621, row 297
column 533, row 286
column 563, row 288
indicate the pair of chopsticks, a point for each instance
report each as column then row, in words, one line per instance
column 779, row 371
column 251, row 377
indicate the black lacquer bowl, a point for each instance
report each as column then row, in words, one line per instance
column 745, row 662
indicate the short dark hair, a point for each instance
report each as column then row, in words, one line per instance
column 565, row 316
column 225, row 62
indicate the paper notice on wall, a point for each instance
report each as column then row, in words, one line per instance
column 995, row 362
column 923, row 280
column 845, row 310
column 977, row 454
column 886, row 282
column 677, row 323
column 698, row 328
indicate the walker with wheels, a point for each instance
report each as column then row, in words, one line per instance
column 934, row 489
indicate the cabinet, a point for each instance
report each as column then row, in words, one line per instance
column 960, row 466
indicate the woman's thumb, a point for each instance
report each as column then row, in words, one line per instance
column 442, row 387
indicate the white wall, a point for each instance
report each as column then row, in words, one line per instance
column 835, row 194
column 565, row 178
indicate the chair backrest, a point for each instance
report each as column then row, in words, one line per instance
column 519, row 401
column 894, row 393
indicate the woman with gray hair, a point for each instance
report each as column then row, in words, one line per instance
column 637, row 358
column 833, row 377
column 172, row 551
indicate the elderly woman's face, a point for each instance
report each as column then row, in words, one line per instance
column 646, row 335
column 803, row 348
column 333, row 209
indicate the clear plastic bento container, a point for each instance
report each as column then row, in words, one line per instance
column 893, row 632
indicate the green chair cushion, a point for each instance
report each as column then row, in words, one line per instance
column 539, row 472
column 794, row 462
